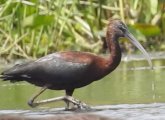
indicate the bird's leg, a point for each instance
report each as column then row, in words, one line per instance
column 69, row 99
column 31, row 101
column 37, row 103
column 67, row 105
column 68, row 93
column 42, row 102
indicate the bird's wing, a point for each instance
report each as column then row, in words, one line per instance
column 62, row 66
column 53, row 67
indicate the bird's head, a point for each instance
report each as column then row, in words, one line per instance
column 120, row 29
column 117, row 27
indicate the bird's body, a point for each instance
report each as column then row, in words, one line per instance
column 70, row 70
column 62, row 70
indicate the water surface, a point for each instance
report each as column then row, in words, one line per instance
column 132, row 92
column 131, row 83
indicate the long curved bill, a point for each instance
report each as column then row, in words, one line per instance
column 139, row 46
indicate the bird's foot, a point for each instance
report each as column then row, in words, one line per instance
column 82, row 105
column 77, row 104
column 32, row 104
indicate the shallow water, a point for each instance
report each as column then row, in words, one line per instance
column 154, row 111
column 131, row 90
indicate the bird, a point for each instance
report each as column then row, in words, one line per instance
column 69, row 70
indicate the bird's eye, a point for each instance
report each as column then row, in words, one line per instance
column 122, row 27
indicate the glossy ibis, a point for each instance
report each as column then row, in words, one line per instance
column 70, row 70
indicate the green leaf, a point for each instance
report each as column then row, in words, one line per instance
column 37, row 20
column 147, row 29
column 138, row 35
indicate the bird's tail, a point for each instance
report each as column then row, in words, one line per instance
column 13, row 74
column 8, row 78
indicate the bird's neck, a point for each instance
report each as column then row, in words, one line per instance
column 114, row 48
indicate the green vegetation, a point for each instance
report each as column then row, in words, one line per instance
column 33, row 28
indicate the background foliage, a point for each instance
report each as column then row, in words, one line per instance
column 33, row 28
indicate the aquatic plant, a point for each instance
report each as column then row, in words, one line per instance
column 33, row 28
